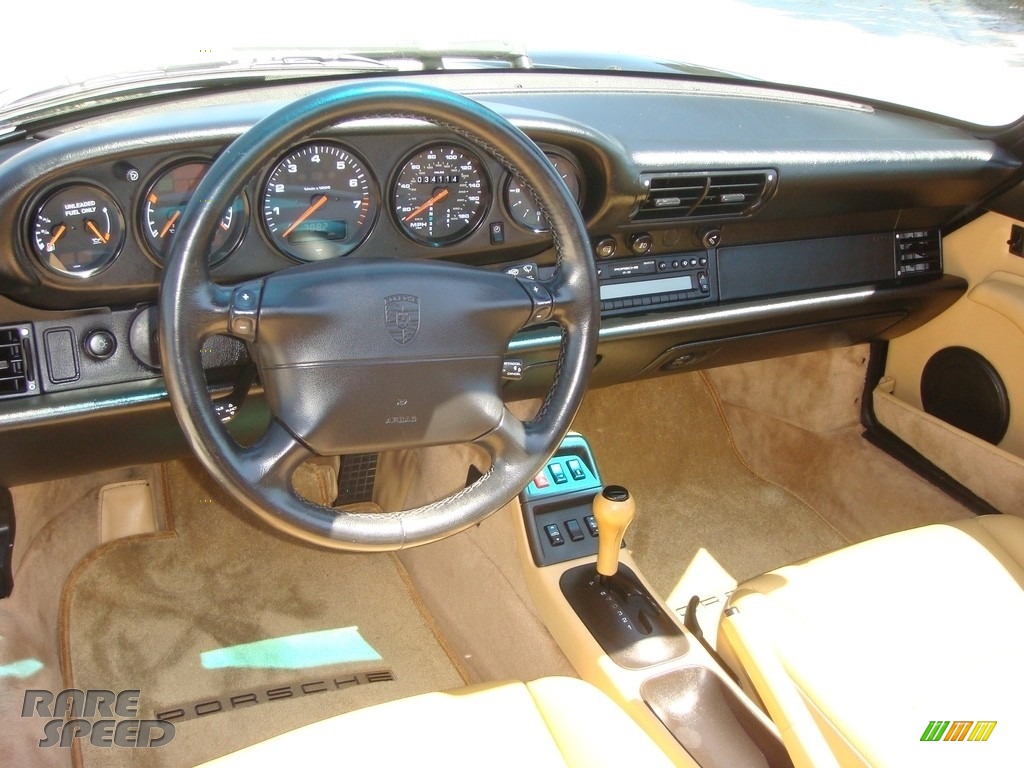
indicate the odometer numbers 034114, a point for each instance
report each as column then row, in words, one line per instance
column 319, row 202
column 440, row 195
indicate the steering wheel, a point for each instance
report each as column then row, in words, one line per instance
column 337, row 377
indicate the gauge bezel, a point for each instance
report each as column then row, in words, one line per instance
column 371, row 179
column 509, row 178
column 486, row 196
column 34, row 209
column 141, row 223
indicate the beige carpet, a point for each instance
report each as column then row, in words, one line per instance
column 796, row 421
column 705, row 520
column 138, row 613
column 57, row 526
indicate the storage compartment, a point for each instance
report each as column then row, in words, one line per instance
column 712, row 723
column 772, row 269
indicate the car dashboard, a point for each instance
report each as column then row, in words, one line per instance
column 729, row 222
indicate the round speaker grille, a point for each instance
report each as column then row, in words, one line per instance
column 962, row 388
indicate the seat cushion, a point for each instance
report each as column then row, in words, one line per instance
column 554, row 721
column 854, row 653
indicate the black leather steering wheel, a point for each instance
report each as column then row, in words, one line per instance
column 336, row 380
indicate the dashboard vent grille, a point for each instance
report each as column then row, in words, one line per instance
column 16, row 372
column 919, row 252
column 701, row 194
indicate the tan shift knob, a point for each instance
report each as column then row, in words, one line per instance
column 614, row 510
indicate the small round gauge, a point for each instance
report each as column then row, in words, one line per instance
column 439, row 195
column 319, row 202
column 167, row 199
column 78, row 230
column 522, row 205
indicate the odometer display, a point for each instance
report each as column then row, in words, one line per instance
column 319, row 202
column 440, row 195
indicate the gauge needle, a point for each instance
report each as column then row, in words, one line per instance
column 95, row 230
column 169, row 224
column 305, row 215
column 439, row 196
column 58, row 233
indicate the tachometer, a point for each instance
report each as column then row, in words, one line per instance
column 319, row 202
column 78, row 230
column 440, row 195
column 166, row 200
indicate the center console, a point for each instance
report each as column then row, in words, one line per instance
column 617, row 632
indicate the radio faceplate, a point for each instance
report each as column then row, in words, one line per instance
column 633, row 285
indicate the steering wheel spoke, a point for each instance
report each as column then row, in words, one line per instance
column 271, row 460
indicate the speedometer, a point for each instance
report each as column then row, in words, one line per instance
column 440, row 195
column 319, row 202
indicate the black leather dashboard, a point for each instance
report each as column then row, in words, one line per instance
column 845, row 189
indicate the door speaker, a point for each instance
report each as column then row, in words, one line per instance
column 962, row 388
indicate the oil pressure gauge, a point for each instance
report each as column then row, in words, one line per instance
column 77, row 231
column 167, row 199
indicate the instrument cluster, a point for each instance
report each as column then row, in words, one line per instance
column 320, row 200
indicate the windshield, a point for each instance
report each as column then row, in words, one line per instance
column 960, row 58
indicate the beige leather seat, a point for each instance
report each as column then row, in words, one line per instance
column 554, row 721
column 856, row 652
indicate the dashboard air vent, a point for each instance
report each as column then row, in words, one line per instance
column 702, row 194
column 17, row 374
column 919, row 252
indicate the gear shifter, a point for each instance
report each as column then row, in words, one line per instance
column 614, row 510
column 612, row 603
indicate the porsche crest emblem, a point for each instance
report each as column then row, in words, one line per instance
column 402, row 316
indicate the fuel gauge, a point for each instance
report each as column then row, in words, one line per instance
column 78, row 230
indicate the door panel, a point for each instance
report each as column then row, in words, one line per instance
column 988, row 319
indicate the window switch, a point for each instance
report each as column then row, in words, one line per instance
column 557, row 473
column 554, row 535
column 575, row 532
column 576, row 469
column 591, row 525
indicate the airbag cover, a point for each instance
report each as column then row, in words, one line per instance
column 364, row 355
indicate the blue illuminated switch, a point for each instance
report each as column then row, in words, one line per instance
column 557, row 473
column 554, row 535
column 576, row 469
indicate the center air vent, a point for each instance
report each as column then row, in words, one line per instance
column 701, row 194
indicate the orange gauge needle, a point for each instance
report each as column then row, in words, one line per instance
column 57, row 234
column 439, row 196
column 95, row 230
column 305, row 215
column 169, row 224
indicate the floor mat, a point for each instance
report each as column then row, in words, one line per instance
column 139, row 613
column 705, row 520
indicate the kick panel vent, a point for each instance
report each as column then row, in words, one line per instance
column 702, row 194
column 919, row 252
column 17, row 373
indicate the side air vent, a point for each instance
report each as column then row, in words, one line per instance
column 704, row 194
column 919, row 252
column 17, row 371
